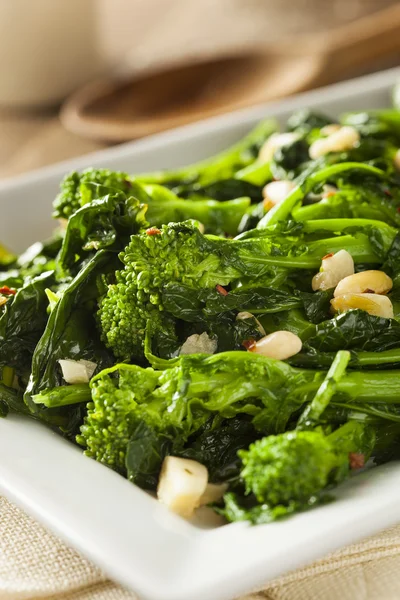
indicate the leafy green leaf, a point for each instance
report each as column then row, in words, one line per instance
column 23, row 321
column 144, row 455
column 356, row 329
column 106, row 222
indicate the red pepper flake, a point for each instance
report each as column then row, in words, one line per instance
column 249, row 344
column 356, row 460
column 398, row 209
column 388, row 193
column 221, row 290
column 153, row 231
column 128, row 183
column 6, row 291
column 327, row 255
column 329, row 194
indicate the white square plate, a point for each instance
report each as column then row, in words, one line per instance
column 129, row 534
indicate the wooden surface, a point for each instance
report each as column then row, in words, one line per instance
column 152, row 29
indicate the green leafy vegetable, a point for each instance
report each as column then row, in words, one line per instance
column 158, row 288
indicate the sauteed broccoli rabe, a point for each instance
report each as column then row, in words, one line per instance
column 227, row 333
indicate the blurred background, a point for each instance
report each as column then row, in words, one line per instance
column 90, row 59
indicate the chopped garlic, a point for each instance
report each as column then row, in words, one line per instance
column 344, row 138
column 77, row 371
column 273, row 143
column 279, row 345
column 213, row 493
column 329, row 129
column 374, row 282
column 277, row 191
column 334, row 268
column 182, row 484
column 197, row 344
column 374, row 304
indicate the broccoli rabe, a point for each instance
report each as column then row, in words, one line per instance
column 77, row 189
column 289, row 471
column 217, row 217
column 187, row 271
column 179, row 401
column 291, row 467
column 162, row 204
column 179, row 254
column 176, row 404
column 111, row 416
column 106, row 222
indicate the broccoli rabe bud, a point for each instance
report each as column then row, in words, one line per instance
column 290, row 472
column 75, row 191
column 291, row 467
column 111, row 415
column 124, row 313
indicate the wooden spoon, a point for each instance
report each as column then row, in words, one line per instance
column 118, row 110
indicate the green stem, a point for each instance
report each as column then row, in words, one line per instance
column 327, row 389
column 13, row 400
column 8, row 376
column 371, row 386
column 359, row 386
column 63, row 395
column 254, row 252
column 341, row 224
column 366, row 359
column 258, row 173
column 281, row 211
column 368, row 410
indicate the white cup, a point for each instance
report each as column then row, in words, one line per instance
column 48, row 48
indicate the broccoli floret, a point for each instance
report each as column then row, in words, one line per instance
column 75, row 191
column 175, row 253
column 292, row 471
column 152, row 259
column 124, row 313
column 291, row 467
column 111, row 416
